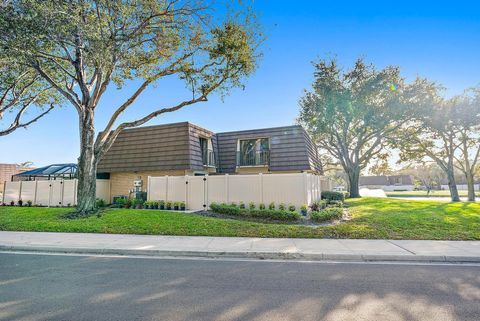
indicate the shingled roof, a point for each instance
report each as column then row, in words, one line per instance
column 177, row 147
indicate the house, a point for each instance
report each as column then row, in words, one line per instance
column 187, row 149
column 388, row 183
column 9, row 170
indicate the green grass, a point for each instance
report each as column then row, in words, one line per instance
column 443, row 193
column 371, row 218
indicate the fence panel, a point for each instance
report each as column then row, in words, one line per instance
column 245, row 188
column 28, row 191
column 176, row 189
column 43, row 193
column 70, row 192
column 217, row 189
column 196, row 192
column 157, row 188
column 12, row 192
column 56, row 193
column 284, row 188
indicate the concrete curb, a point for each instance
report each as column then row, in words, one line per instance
column 248, row 255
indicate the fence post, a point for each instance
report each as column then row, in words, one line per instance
column 3, row 195
column 35, row 193
column 227, row 196
column 187, row 199
column 62, row 182
column 166, row 188
column 305, row 190
column 20, row 192
column 261, row 187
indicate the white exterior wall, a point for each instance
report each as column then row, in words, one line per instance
column 461, row 187
column 200, row 191
column 50, row 193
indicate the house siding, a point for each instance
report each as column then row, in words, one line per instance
column 288, row 150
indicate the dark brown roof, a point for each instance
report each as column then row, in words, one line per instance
column 177, row 147
column 290, row 148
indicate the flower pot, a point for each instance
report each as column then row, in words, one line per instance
column 175, row 207
column 169, row 208
column 304, row 212
column 155, row 207
column 162, row 207
column 182, row 208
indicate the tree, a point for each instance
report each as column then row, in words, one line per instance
column 432, row 134
column 429, row 174
column 466, row 117
column 81, row 47
column 351, row 114
column 20, row 90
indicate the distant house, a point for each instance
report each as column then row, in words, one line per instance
column 9, row 170
column 388, row 183
column 186, row 149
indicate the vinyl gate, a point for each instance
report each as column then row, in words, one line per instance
column 198, row 192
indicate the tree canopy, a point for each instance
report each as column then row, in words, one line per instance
column 82, row 47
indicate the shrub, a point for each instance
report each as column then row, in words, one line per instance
column 317, row 206
column 29, row 203
column 269, row 214
column 327, row 214
column 251, row 205
column 261, row 206
column 233, row 204
column 168, row 205
column 335, row 204
column 182, row 205
column 291, row 208
column 241, row 205
column 271, row 206
column 282, row 207
column 333, row 196
column 99, row 203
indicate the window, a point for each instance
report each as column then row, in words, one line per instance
column 207, row 152
column 253, row 152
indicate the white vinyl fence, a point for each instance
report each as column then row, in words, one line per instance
column 50, row 193
column 198, row 192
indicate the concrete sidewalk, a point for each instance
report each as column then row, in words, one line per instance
column 239, row 247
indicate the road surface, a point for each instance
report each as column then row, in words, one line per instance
column 59, row 287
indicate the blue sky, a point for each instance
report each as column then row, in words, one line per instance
column 438, row 40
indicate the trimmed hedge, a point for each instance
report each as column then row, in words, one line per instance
column 333, row 196
column 258, row 213
column 327, row 214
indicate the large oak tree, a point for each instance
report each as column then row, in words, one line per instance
column 351, row 114
column 82, row 47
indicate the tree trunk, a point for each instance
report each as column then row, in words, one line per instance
column 87, row 165
column 353, row 181
column 452, row 185
column 470, row 186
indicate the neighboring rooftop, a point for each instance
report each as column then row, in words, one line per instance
column 68, row 170
column 386, row 180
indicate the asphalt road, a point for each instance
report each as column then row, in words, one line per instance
column 47, row 287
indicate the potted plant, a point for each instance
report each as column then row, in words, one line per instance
column 155, row 205
column 251, row 206
column 261, row 206
column 291, row 208
column 304, row 209
column 271, row 206
column 29, row 203
column 182, row 206
column 161, row 204
column 168, row 205
column 241, row 205
column 12, row 203
column 20, row 202
column 148, row 205
column 176, row 206
column 282, row 207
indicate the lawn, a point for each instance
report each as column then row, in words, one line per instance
column 371, row 218
column 443, row 193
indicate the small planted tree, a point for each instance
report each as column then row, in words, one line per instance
column 82, row 48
